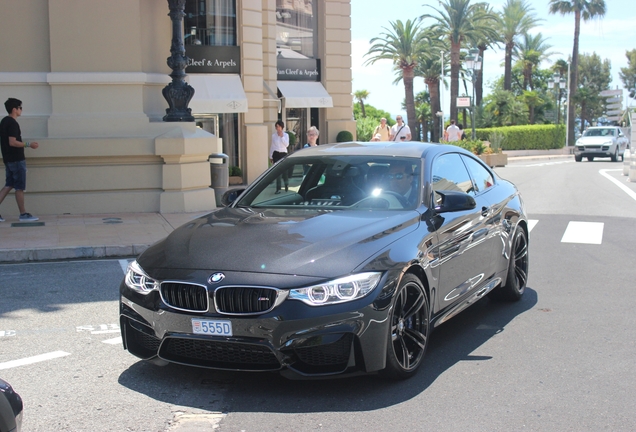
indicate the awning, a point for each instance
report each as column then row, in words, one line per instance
column 304, row 94
column 215, row 94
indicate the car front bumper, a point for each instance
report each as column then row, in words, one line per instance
column 604, row 150
column 308, row 340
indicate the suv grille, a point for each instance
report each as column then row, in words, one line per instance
column 187, row 297
column 244, row 300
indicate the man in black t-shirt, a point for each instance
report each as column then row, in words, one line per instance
column 13, row 157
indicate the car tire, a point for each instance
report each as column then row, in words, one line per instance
column 409, row 329
column 517, row 277
column 590, row 158
column 578, row 158
column 614, row 157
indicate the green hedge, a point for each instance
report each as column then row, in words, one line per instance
column 527, row 137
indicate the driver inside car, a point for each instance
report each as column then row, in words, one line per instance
column 399, row 179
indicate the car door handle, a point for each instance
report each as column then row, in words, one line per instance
column 485, row 211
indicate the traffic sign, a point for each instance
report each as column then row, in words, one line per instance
column 611, row 92
column 613, row 113
column 614, row 106
column 615, row 99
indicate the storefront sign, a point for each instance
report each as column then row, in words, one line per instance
column 213, row 59
column 298, row 69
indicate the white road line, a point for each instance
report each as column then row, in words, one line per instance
column 113, row 341
column 124, row 265
column 7, row 333
column 34, row 359
column 625, row 189
column 531, row 224
column 583, row 232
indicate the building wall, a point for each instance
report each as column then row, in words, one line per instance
column 90, row 75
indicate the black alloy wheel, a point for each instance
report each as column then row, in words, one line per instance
column 409, row 330
column 517, row 270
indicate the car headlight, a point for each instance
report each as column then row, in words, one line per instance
column 337, row 291
column 137, row 279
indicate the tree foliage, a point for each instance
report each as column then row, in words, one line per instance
column 628, row 74
column 462, row 24
column 586, row 9
column 594, row 76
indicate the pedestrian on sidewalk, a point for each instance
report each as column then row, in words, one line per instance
column 13, row 157
column 278, row 150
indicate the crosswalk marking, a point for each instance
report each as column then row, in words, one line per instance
column 34, row 359
column 583, row 232
column 113, row 341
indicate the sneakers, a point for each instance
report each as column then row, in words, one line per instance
column 28, row 217
column 1, row 219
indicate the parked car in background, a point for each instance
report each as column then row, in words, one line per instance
column 347, row 269
column 601, row 141
column 10, row 409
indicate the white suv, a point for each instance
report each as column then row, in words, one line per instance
column 601, row 141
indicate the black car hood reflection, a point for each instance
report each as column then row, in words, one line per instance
column 321, row 243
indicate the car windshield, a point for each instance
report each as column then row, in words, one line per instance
column 343, row 182
column 599, row 132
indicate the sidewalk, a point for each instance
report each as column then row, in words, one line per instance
column 57, row 237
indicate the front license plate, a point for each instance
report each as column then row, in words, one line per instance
column 212, row 327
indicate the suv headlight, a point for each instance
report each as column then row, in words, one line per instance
column 337, row 291
column 137, row 280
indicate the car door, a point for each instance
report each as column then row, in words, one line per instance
column 465, row 238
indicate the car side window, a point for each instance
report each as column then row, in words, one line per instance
column 450, row 174
column 483, row 178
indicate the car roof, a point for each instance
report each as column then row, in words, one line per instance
column 412, row 149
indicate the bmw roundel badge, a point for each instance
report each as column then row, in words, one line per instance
column 216, row 277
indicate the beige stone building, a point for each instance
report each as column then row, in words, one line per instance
column 90, row 74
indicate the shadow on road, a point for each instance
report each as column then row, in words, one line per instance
column 451, row 343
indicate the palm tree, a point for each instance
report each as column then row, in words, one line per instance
column 460, row 22
column 516, row 18
column 430, row 68
column 361, row 95
column 482, row 45
column 424, row 116
column 403, row 45
column 531, row 51
column 585, row 9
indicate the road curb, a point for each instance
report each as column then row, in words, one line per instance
column 76, row 252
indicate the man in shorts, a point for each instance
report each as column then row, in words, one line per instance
column 13, row 157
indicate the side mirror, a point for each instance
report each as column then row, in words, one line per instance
column 453, row 201
column 230, row 196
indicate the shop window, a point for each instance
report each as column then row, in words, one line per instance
column 210, row 22
column 296, row 28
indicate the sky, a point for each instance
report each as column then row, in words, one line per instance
column 609, row 37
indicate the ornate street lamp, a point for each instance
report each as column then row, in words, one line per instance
column 178, row 93
column 472, row 64
column 557, row 81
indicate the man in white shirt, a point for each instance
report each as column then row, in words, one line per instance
column 278, row 150
column 453, row 133
column 400, row 131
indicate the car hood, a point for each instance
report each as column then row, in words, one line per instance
column 284, row 241
column 594, row 140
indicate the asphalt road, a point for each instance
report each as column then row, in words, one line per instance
column 561, row 359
